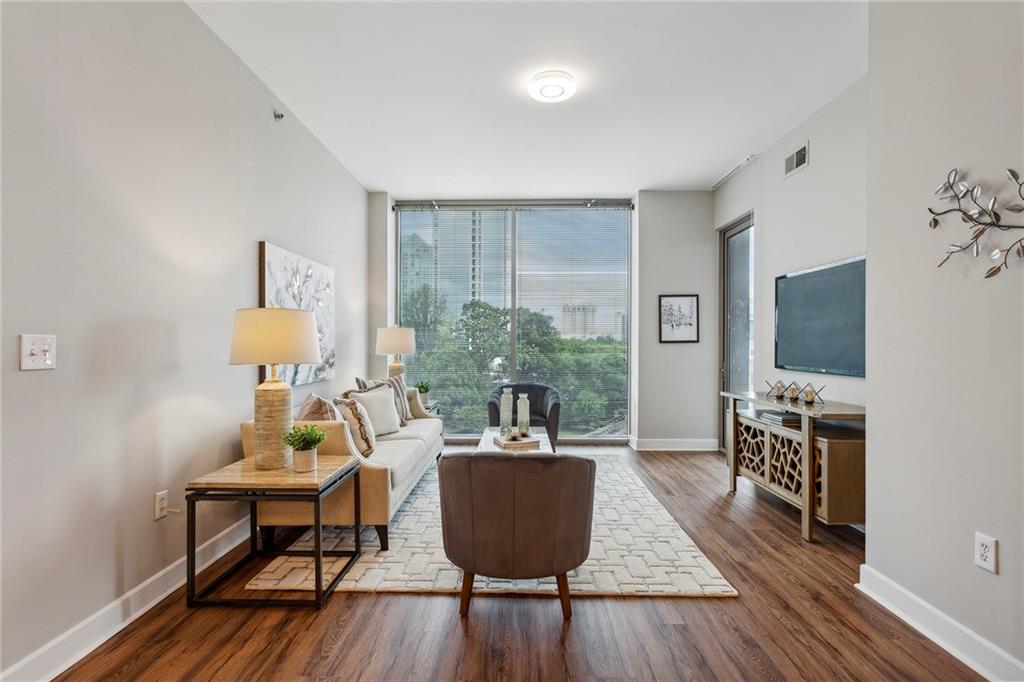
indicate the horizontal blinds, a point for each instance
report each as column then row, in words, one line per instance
column 455, row 290
column 572, row 285
column 571, row 275
column 419, row 205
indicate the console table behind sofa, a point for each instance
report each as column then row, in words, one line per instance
column 819, row 468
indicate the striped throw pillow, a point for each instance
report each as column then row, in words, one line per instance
column 318, row 409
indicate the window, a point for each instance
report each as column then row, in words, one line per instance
column 530, row 293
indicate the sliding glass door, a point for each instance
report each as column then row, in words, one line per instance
column 519, row 293
column 737, row 311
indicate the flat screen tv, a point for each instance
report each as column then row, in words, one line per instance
column 819, row 319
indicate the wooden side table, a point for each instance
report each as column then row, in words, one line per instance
column 243, row 482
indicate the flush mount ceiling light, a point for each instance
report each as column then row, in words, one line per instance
column 552, row 86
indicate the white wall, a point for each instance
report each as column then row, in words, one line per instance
column 383, row 275
column 142, row 165
column 945, row 368
column 814, row 217
column 674, row 385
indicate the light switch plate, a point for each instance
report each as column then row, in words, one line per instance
column 38, row 351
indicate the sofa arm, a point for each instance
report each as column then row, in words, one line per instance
column 419, row 410
column 338, row 443
column 338, row 507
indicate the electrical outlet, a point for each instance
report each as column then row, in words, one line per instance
column 159, row 505
column 986, row 552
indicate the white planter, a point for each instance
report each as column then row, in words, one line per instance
column 304, row 460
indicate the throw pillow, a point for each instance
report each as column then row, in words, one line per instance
column 358, row 425
column 379, row 404
column 397, row 385
column 318, row 409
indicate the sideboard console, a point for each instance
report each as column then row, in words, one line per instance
column 819, row 467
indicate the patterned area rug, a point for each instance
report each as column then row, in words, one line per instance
column 637, row 549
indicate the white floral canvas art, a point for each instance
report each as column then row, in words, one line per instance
column 288, row 280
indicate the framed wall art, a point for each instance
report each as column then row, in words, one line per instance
column 679, row 318
column 288, row 280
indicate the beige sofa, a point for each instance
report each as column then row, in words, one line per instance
column 386, row 477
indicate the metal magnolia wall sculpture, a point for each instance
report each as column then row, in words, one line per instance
column 980, row 214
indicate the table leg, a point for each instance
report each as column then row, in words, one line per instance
column 318, row 553
column 807, row 477
column 190, row 551
column 358, row 518
column 731, row 435
column 253, row 532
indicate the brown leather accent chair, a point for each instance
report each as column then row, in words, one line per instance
column 516, row 516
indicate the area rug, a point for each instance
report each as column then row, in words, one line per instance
column 637, row 549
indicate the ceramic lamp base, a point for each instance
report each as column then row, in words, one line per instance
column 273, row 419
column 396, row 368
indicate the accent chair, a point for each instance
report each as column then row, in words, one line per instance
column 516, row 516
column 545, row 407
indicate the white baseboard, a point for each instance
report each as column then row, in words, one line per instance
column 674, row 444
column 972, row 649
column 69, row 647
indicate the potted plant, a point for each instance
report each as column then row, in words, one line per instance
column 423, row 387
column 303, row 440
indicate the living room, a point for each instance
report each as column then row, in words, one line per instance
column 512, row 340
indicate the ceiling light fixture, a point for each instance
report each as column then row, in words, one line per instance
column 552, row 86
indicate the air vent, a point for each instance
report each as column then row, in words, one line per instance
column 797, row 159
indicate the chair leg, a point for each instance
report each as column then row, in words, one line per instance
column 382, row 535
column 563, row 594
column 467, row 593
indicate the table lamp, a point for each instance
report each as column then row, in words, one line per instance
column 273, row 336
column 396, row 341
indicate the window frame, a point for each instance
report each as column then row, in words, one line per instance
column 513, row 208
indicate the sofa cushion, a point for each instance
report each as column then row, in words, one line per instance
column 379, row 404
column 403, row 457
column 426, row 431
column 359, row 425
column 398, row 387
column 318, row 409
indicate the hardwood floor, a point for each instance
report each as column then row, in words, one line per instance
column 798, row 616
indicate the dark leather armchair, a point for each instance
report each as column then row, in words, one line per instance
column 545, row 407
column 516, row 516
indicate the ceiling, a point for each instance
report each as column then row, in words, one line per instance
column 429, row 100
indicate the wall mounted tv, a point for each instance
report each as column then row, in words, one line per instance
column 819, row 319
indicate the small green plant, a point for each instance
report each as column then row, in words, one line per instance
column 422, row 386
column 304, row 437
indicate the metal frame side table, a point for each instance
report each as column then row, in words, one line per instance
column 242, row 482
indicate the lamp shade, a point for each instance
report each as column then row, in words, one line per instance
column 274, row 336
column 396, row 340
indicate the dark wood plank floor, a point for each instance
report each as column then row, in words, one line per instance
column 798, row 616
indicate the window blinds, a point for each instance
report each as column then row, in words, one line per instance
column 565, row 271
